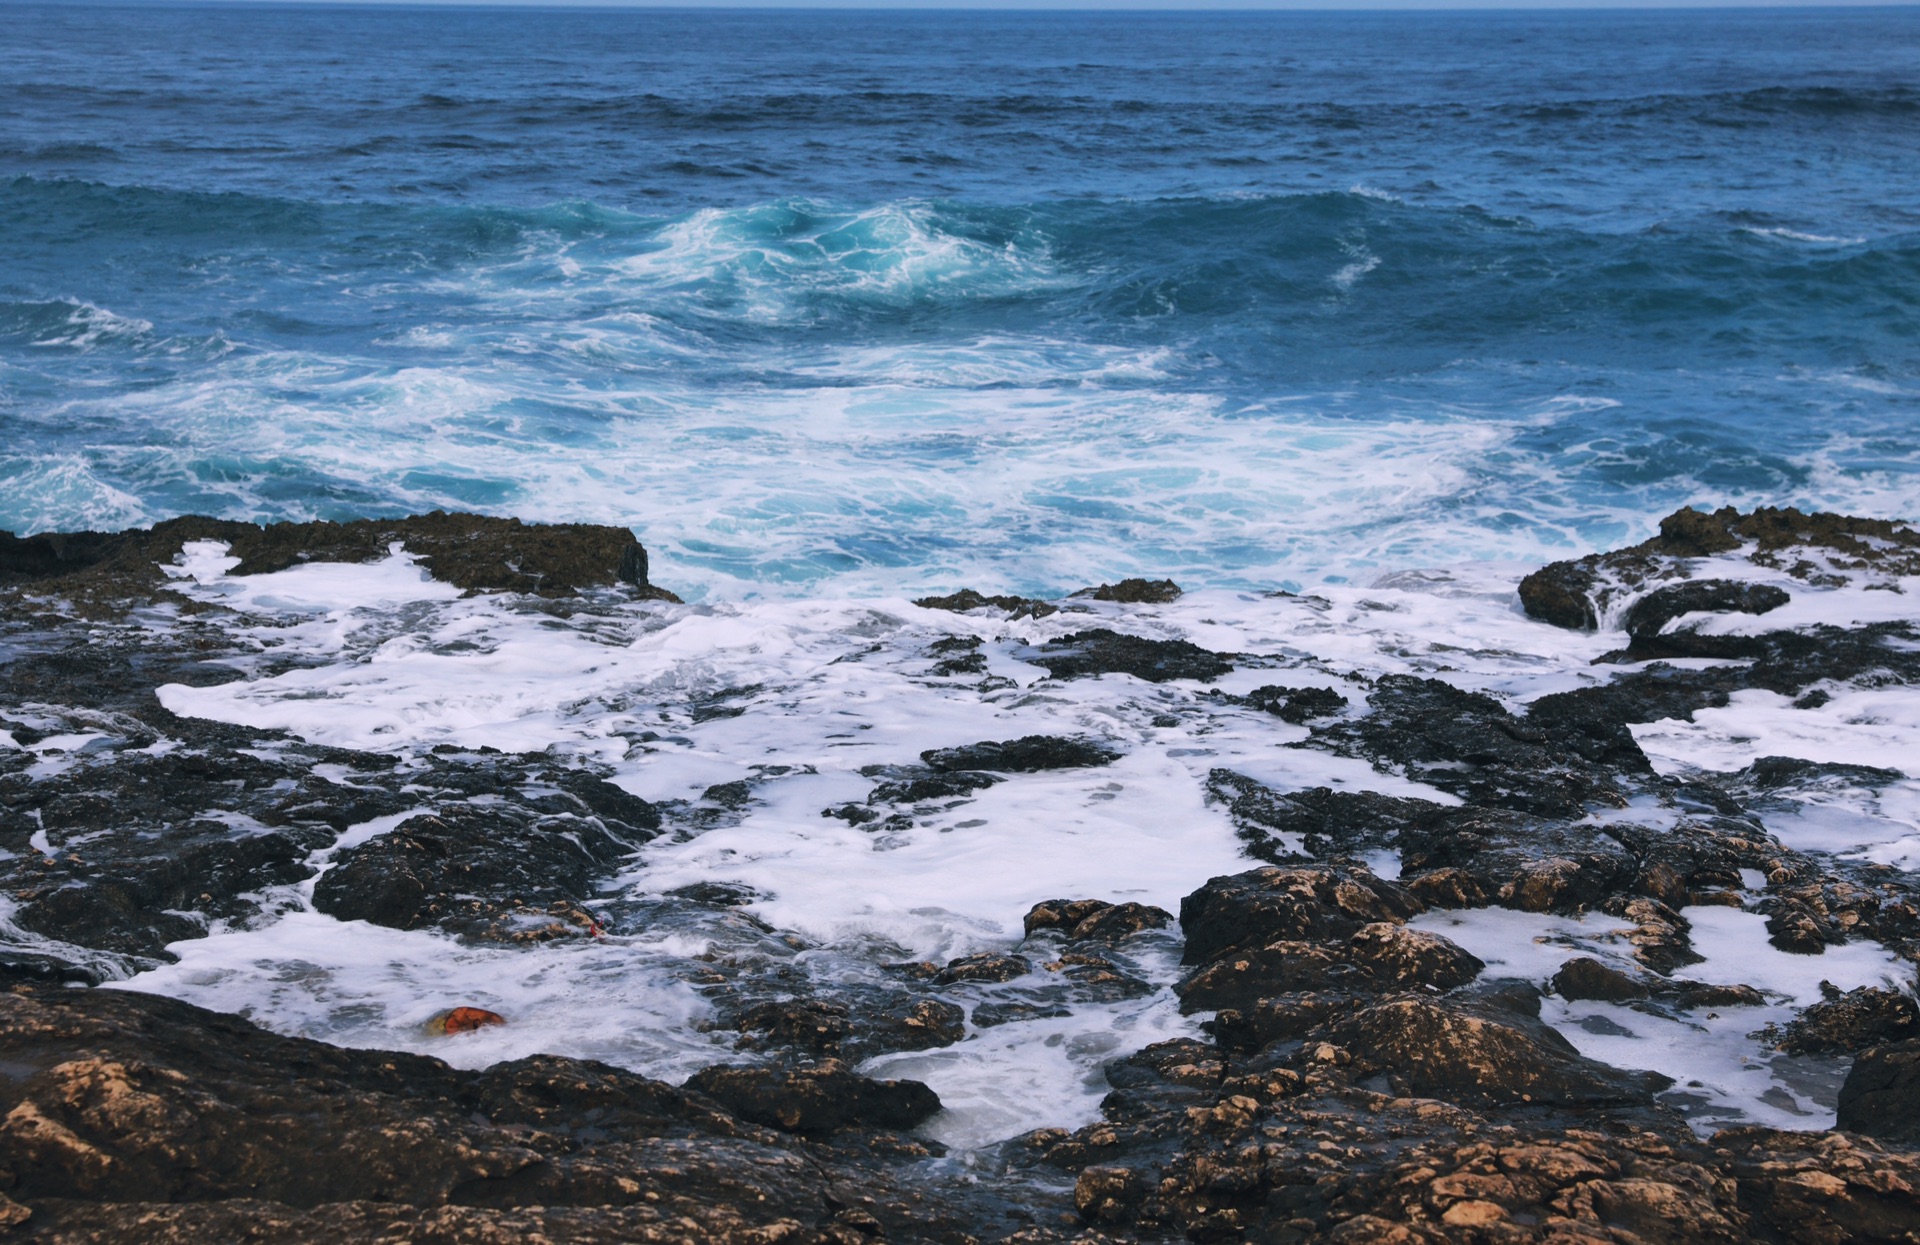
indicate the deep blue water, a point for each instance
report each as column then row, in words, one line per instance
column 842, row 301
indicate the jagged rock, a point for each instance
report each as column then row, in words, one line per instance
column 1298, row 705
column 1485, row 1055
column 1567, row 594
column 815, row 1100
column 1135, row 592
column 1650, row 615
column 1881, row 1095
column 1080, row 919
column 1867, row 1016
column 138, row 1118
column 1026, row 755
column 1325, row 821
column 1100, row 651
column 1523, row 862
column 987, row 966
column 967, row 599
column 1381, row 957
column 1470, row 745
column 1274, row 904
column 1587, row 978
column 467, row 869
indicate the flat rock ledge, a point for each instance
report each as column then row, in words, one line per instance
column 475, row 552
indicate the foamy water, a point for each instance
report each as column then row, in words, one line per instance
column 390, row 660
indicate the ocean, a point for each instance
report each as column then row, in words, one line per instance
column 1343, row 322
column 864, row 303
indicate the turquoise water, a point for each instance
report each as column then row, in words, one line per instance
column 838, row 302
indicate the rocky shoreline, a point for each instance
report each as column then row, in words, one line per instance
column 1361, row 1075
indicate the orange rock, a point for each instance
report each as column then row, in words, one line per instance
column 462, row 1020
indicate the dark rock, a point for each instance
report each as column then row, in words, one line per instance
column 468, row 869
column 1100, row 651
column 1298, row 705
column 1567, row 594
column 136, row 1118
column 1280, row 905
column 815, row 1100
column 1881, row 1095
column 718, row 894
column 1325, row 820
column 1470, row 745
column 1135, row 592
column 911, row 785
column 1587, row 978
column 1523, row 862
column 987, row 966
column 1795, row 773
column 1080, row 919
column 1485, row 1055
column 1650, row 615
column 471, row 551
column 967, row 599
column 1867, row 1016
column 1378, row 958
column 1026, row 755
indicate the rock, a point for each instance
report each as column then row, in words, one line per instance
column 967, row 600
column 1378, row 958
column 1100, row 651
column 1135, row 592
column 815, row 1100
column 1881, row 1095
column 1483, row 1055
column 1567, row 594
column 457, row 1020
column 1081, row 919
column 137, row 1118
column 987, row 966
column 1274, row 904
column 1521, row 861
column 1324, row 821
column 1026, row 755
column 1295, row 704
column 479, row 870
column 1650, row 615
column 1470, row 745
column 470, row 551
column 1867, row 1016
column 1587, row 978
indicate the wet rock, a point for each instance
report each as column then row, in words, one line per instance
column 1569, row 594
column 1650, row 615
column 468, row 870
column 1135, row 592
column 1319, row 821
column 1867, row 1016
column 139, row 1118
column 1881, row 1095
column 1100, row 651
column 986, row 966
column 1270, row 905
column 1378, row 958
column 1470, row 745
column 1523, row 862
column 1297, row 705
column 1485, row 1054
column 1587, row 978
column 1026, row 755
column 718, row 894
column 474, row 552
column 815, row 1100
column 1082, row 919
column 967, row 600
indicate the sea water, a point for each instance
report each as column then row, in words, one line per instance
column 833, row 308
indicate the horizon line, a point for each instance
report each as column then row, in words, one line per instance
column 1019, row 6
